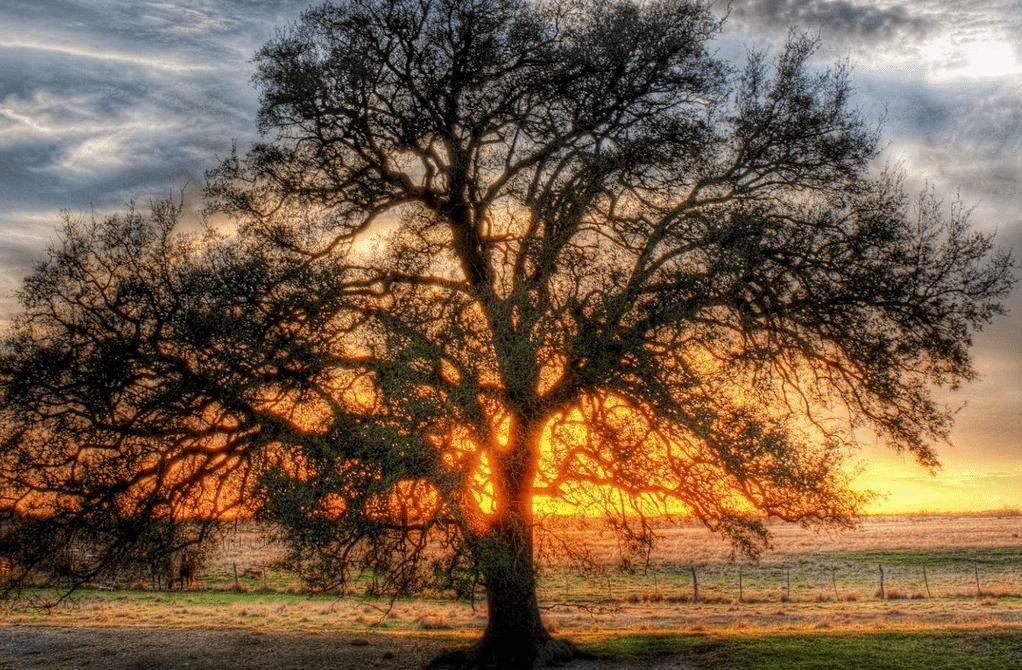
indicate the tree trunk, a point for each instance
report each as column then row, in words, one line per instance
column 515, row 630
column 515, row 636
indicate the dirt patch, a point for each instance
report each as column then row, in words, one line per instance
column 24, row 647
column 54, row 648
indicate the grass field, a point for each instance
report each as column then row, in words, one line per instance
column 813, row 601
column 949, row 650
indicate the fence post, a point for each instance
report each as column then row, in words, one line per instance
column 695, row 585
column 926, row 582
column 883, row 593
column 833, row 579
column 741, row 590
column 975, row 567
column 236, row 586
column 787, row 581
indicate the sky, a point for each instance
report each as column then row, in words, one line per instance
column 107, row 101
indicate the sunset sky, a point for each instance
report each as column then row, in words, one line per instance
column 106, row 101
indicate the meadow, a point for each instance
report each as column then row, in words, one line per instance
column 950, row 582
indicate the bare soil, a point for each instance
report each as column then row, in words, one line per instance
column 199, row 649
column 57, row 648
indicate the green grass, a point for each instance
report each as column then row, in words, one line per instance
column 170, row 599
column 638, row 646
column 935, row 650
column 989, row 558
column 211, row 598
column 204, row 598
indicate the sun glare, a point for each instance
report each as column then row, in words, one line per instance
column 988, row 59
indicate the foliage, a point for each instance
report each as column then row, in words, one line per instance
column 494, row 255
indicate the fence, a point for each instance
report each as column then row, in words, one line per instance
column 892, row 576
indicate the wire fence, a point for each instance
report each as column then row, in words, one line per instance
column 812, row 579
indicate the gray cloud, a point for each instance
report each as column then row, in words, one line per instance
column 839, row 17
column 960, row 138
column 105, row 100
column 172, row 30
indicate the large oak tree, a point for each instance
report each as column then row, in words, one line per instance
column 494, row 257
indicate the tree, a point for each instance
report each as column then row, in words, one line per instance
column 494, row 255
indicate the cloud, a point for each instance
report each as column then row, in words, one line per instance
column 839, row 17
column 201, row 30
column 104, row 106
column 960, row 138
column 107, row 101
column 87, row 148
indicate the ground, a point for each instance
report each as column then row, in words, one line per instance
column 53, row 648
column 22, row 648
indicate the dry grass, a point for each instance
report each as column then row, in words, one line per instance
column 248, row 544
column 282, row 613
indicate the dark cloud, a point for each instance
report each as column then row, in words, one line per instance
column 840, row 17
column 1011, row 237
column 18, row 254
column 972, row 117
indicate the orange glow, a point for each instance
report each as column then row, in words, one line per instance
column 966, row 483
column 482, row 489
column 567, row 438
column 414, row 501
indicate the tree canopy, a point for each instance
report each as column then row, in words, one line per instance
column 494, row 259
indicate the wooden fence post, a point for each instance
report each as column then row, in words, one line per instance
column 741, row 590
column 695, row 585
column 883, row 593
column 833, row 579
column 926, row 582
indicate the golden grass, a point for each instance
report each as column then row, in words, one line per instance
column 248, row 545
column 321, row 615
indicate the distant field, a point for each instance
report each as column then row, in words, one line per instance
column 921, row 557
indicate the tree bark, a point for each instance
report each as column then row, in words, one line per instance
column 515, row 636
column 515, row 630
